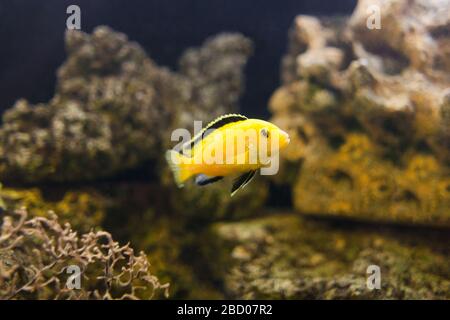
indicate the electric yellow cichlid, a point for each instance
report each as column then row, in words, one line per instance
column 230, row 145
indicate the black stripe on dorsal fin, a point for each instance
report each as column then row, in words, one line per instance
column 215, row 124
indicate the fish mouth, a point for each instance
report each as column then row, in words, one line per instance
column 287, row 139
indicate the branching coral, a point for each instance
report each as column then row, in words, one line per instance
column 35, row 255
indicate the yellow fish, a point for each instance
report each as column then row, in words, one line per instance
column 230, row 145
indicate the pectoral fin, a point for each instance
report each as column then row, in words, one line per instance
column 242, row 181
column 203, row 180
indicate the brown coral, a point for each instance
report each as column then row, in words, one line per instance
column 35, row 255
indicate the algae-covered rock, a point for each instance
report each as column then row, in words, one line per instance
column 287, row 257
column 413, row 31
column 347, row 88
column 215, row 76
column 355, row 181
column 114, row 108
column 106, row 114
column 83, row 209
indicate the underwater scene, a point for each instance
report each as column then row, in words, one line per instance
column 225, row 149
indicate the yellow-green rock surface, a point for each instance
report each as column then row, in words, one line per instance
column 285, row 256
column 367, row 112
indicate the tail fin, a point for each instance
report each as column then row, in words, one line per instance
column 178, row 166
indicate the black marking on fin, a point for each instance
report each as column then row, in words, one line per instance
column 242, row 181
column 203, row 180
column 215, row 124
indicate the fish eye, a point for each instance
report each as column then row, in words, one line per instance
column 265, row 132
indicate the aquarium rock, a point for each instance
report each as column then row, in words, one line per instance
column 366, row 110
column 84, row 209
column 114, row 108
column 287, row 257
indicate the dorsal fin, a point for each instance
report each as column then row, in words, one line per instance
column 215, row 124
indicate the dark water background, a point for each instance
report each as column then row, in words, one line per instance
column 32, row 37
